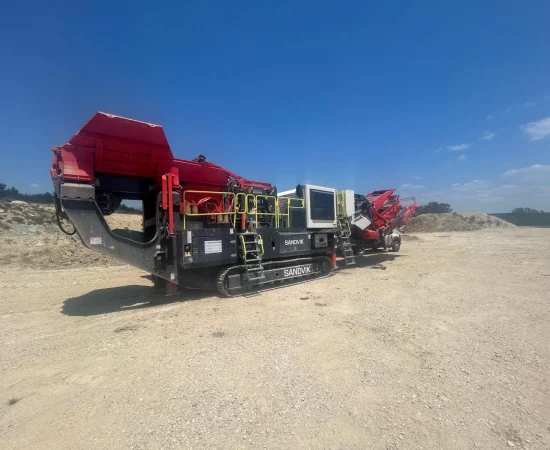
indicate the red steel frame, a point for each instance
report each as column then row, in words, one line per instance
column 386, row 207
column 119, row 146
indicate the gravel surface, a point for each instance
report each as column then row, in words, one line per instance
column 448, row 348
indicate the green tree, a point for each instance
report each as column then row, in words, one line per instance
column 13, row 193
column 435, row 208
column 526, row 211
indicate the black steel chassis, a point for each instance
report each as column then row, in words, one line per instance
column 231, row 281
column 159, row 255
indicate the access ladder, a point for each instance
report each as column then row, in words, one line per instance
column 347, row 250
column 251, row 252
column 344, row 243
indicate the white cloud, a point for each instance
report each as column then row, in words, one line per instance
column 512, row 189
column 488, row 136
column 489, row 117
column 536, row 172
column 471, row 186
column 545, row 190
column 461, row 157
column 418, row 178
column 489, row 198
column 437, row 150
column 530, row 104
column 537, row 130
column 412, row 187
column 508, row 109
column 35, row 185
column 457, row 148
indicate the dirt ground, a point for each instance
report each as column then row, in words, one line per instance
column 449, row 348
column 30, row 237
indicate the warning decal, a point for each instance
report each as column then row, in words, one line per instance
column 212, row 247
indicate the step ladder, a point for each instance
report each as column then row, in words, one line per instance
column 345, row 244
column 251, row 252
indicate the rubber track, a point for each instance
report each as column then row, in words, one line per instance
column 220, row 278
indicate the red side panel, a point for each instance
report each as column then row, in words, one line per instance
column 193, row 174
column 113, row 144
column 76, row 167
column 119, row 128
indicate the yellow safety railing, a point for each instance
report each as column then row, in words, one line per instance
column 273, row 212
column 247, row 204
column 230, row 195
column 346, row 226
column 289, row 200
column 243, row 206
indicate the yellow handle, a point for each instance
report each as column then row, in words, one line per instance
column 261, row 242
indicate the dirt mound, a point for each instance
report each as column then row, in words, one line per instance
column 429, row 223
column 30, row 238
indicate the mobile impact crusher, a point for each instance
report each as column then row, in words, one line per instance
column 204, row 226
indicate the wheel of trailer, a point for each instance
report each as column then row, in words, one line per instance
column 396, row 245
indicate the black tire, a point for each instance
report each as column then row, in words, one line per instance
column 395, row 245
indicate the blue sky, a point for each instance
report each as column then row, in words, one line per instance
column 447, row 101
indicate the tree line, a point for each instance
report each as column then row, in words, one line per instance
column 13, row 194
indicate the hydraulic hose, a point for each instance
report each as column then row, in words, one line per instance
column 58, row 214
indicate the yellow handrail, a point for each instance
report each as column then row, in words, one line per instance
column 246, row 210
column 341, row 228
column 261, row 243
column 274, row 213
column 240, row 205
column 289, row 207
column 229, row 213
column 243, row 245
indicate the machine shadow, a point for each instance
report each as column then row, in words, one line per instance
column 369, row 260
column 125, row 298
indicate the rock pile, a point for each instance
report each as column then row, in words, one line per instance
column 430, row 223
